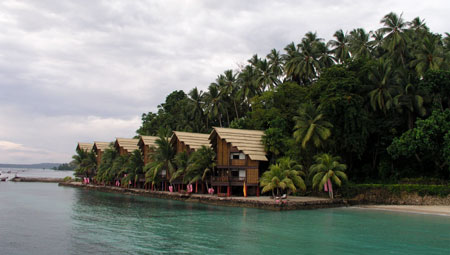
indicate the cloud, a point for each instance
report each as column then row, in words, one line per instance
column 86, row 70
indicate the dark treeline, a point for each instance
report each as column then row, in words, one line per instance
column 379, row 100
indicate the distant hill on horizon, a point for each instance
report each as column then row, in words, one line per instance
column 39, row 165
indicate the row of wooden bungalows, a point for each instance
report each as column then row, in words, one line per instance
column 240, row 157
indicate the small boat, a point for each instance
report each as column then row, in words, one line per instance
column 3, row 179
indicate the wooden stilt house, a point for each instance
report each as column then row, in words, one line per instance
column 188, row 142
column 84, row 146
column 99, row 148
column 147, row 146
column 126, row 146
column 241, row 159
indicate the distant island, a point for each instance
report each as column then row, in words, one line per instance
column 39, row 165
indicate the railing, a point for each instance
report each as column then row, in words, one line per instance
column 227, row 179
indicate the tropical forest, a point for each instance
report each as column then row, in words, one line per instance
column 372, row 104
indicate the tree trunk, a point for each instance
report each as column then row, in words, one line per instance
column 235, row 108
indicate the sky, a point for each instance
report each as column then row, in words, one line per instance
column 84, row 71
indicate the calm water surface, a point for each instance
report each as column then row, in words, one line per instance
column 42, row 218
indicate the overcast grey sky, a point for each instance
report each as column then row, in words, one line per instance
column 86, row 70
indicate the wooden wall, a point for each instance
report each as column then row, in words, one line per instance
column 99, row 154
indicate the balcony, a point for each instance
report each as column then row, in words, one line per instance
column 227, row 179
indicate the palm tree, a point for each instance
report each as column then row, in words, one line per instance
column 429, row 56
column 104, row 173
column 215, row 104
column 410, row 100
column 311, row 126
column 302, row 63
column 201, row 163
column 181, row 161
column 394, row 31
column 275, row 64
column 264, row 76
column 341, row 49
column 85, row 163
column 359, row 44
column 282, row 176
column 133, row 168
column 228, row 88
column 247, row 84
column 162, row 158
column 294, row 171
column 382, row 78
column 197, row 99
column 327, row 167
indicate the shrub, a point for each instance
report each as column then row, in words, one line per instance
column 67, row 179
column 352, row 190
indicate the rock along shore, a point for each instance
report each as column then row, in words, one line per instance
column 36, row 179
column 292, row 203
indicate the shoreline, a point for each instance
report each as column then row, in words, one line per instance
column 262, row 202
column 416, row 209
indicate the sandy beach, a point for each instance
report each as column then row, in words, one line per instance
column 421, row 209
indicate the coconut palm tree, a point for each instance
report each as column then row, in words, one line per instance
column 429, row 56
column 201, row 163
column 382, row 78
column 228, row 88
column 162, row 159
column 410, row 100
column 215, row 104
column 311, row 126
column 327, row 167
column 104, row 173
column 359, row 44
column 341, row 49
column 275, row 64
column 181, row 161
column 282, row 176
column 85, row 163
column 294, row 171
column 133, row 168
column 247, row 84
column 303, row 63
column 395, row 39
column 264, row 76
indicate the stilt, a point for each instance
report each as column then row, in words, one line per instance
column 203, row 188
column 152, row 186
column 196, row 187
column 257, row 190
column 228, row 191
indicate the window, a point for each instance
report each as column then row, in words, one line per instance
column 237, row 155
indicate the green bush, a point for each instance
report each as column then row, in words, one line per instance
column 67, row 179
column 352, row 190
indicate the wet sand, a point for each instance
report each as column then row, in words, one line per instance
column 443, row 210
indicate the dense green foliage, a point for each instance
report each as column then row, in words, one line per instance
column 65, row 166
column 375, row 99
column 85, row 163
column 286, row 174
column 352, row 190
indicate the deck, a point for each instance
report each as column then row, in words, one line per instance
column 262, row 202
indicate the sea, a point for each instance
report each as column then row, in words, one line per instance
column 44, row 218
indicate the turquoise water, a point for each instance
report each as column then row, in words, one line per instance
column 42, row 218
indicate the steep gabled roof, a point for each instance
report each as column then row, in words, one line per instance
column 247, row 141
column 101, row 146
column 128, row 144
column 147, row 141
column 192, row 140
column 84, row 146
